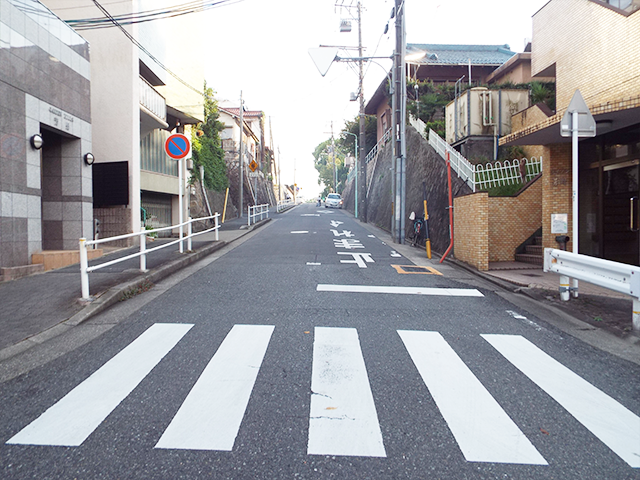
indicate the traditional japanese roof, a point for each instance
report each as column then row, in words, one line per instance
column 246, row 113
column 460, row 54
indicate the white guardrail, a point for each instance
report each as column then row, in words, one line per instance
column 258, row 211
column 619, row 277
column 85, row 269
column 283, row 205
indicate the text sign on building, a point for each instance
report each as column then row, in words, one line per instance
column 177, row 146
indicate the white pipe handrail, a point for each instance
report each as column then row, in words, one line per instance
column 373, row 153
column 283, row 204
column 619, row 277
column 142, row 253
column 258, row 210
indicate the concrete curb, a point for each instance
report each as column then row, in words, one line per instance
column 113, row 295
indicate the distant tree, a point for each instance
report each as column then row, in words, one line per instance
column 207, row 145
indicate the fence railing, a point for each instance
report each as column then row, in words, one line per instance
column 373, row 153
column 619, row 277
column 479, row 177
column 254, row 211
column 284, row 205
column 85, row 269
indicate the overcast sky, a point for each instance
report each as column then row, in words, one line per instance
column 260, row 47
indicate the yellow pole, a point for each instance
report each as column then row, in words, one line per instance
column 426, row 219
column 224, row 210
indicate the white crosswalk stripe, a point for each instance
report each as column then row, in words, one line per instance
column 612, row 423
column 483, row 430
column 343, row 419
column 71, row 420
column 210, row 417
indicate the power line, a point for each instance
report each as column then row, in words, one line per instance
column 141, row 47
column 149, row 15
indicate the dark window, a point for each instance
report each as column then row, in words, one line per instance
column 110, row 184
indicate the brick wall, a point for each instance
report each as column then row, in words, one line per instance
column 592, row 47
column 114, row 221
column 512, row 220
column 489, row 229
column 556, row 186
column 471, row 229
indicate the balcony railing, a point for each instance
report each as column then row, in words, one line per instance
column 152, row 100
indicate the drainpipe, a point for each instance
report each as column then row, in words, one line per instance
column 450, row 210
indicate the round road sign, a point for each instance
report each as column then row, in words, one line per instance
column 177, row 146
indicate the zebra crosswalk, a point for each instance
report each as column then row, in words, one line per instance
column 343, row 419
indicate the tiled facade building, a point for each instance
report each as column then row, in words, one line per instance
column 45, row 134
column 590, row 46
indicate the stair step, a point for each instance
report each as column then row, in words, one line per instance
column 533, row 259
column 534, row 250
column 537, row 240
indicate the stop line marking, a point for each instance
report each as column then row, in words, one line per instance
column 448, row 292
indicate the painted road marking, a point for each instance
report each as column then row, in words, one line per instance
column 314, row 263
column 300, row 231
column 310, row 215
column 210, row 417
column 72, row 419
column 360, row 258
column 483, row 430
column 346, row 233
column 347, row 243
column 448, row 292
column 343, row 418
column 335, row 223
column 416, row 269
column 395, row 254
column 612, row 423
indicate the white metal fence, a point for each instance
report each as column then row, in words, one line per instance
column 480, row 177
column 373, row 153
column 85, row 269
column 284, row 205
column 254, row 211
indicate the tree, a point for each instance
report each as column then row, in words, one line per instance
column 207, row 145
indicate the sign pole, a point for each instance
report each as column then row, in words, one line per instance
column 180, row 192
column 574, row 182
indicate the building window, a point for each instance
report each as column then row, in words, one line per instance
column 153, row 158
column 626, row 5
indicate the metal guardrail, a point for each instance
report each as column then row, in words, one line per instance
column 85, row 269
column 284, row 205
column 619, row 277
column 258, row 210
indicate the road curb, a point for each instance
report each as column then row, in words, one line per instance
column 114, row 294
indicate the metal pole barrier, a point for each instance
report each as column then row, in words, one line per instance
column 248, row 215
column 143, row 255
column 84, row 264
column 217, row 226
column 636, row 315
column 564, row 288
column 189, row 231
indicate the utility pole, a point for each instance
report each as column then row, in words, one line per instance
column 399, row 116
column 240, row 207
column 361, row 165
column 279, row 177
column 335, row 169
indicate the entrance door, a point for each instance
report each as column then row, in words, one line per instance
column 620, row 214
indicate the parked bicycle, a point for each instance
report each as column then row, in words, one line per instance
column 415, row 230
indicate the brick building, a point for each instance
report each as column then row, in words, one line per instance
column 589, row 45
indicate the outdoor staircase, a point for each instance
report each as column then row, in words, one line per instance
column 533, row 253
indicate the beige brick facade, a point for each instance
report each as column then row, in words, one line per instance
column 471, row 229
column 594, row 49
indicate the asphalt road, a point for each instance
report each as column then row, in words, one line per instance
column 279, row 359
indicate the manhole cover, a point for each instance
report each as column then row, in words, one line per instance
column 416, row 269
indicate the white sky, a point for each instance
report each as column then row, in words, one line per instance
column 260, row 47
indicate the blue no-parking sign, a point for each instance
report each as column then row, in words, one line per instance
column 177, row 146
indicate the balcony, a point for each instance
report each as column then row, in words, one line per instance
column 153, row 108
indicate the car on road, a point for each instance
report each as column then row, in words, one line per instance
column 333, row 200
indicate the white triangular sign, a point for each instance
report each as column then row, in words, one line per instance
column 323, row 58
column 586, row 123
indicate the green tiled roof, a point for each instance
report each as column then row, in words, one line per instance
column 461, row 54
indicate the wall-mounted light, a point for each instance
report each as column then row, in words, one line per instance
column 36, row 141
column 89, row 158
